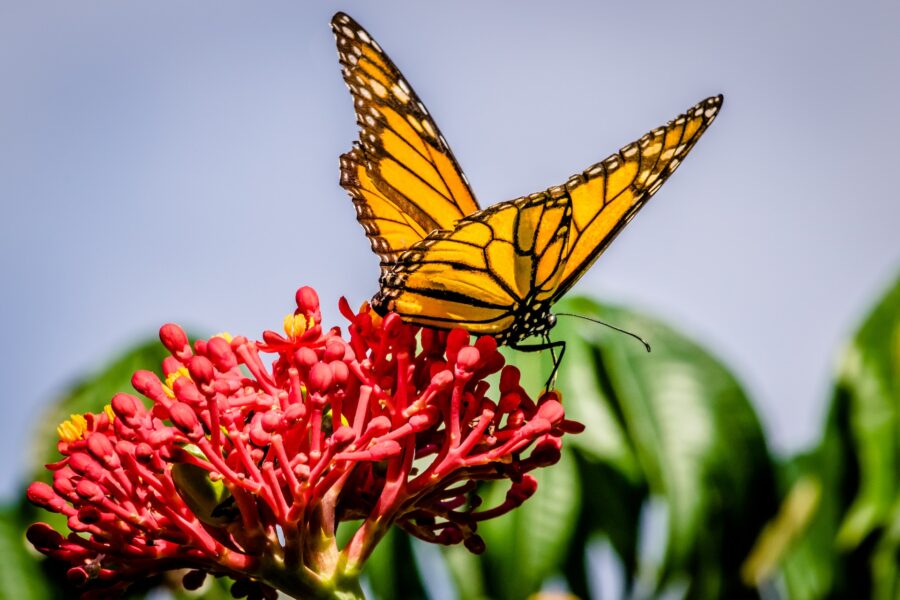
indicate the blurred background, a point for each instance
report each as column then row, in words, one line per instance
column 178, row 162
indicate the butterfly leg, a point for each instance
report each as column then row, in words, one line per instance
column 546, row 345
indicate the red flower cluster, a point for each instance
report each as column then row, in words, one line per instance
column 245, row 470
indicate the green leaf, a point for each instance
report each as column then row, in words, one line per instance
column 20, row 571
column 695, row 436
column 869, row 381
column 467, row 572
column 529, row 544
column 391, row 570
column 851, row 547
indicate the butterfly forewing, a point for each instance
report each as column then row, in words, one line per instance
column 607, row 195
column 401, row 153
column 391, row 230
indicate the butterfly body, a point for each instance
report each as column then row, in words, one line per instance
column 446, row 263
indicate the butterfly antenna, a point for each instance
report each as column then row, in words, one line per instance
column 613, row 327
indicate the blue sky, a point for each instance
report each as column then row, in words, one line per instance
column 178, row 162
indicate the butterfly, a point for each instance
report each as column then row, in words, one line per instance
column 446, row 263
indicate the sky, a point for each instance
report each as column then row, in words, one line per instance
column 178, row 162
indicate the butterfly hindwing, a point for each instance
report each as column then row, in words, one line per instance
column 486, row 273
column 607, row 195
column 401, row 156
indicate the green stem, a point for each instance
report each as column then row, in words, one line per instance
column 301, row 584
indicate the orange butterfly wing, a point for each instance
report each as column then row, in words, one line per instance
column 401, row 174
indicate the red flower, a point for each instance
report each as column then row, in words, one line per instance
column 244, row 470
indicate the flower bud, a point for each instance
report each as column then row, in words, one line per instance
column 185, row 419
column 126, row 406
column 468, row 358
column 147, row 383
column 307, row 299
column 320, row 378
column 220, row 353
column 173, row 338
column 201, row 369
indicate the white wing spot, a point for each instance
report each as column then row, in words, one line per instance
column 348, row 32
column 364, row 36
column 379, row 89
column 429, row 128
column 401, row 95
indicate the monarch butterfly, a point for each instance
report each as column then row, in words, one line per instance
column 497, row 271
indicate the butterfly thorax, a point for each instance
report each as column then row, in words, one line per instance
column 531, row 319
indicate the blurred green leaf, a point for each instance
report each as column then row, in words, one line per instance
column 851, row 546
column 692, row 430
column 527, row 545
column 391, row 570
column 20, row 571
column 868, row 379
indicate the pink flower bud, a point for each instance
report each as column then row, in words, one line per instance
column 219, row 352
column 551, row 410
column 546, row 452
column 320, row 378
column 127, row 406
column 378, row 426
column 334, row 350
column 509, row 379
column 102, row 449
column 385, row 450
column 340, row 372
column 89, row 490
column 143, row 452
column 474, row 544
column 43, row 537
column 456, row 339
column 343, row 436
column 185, row 419
column 147, row 383
column 294, row 412
column 442, row 379
column 307, row 299
column 173, row 338
column 41, row 494
column 186, row 391
column 468, row 358
column 83, row 464
column 270, row 421
column 306, row 357
column 201, row 369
